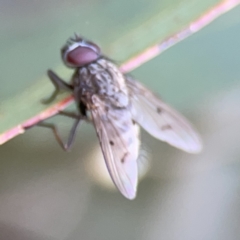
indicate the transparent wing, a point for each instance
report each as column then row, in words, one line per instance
column 160, row 120
column 119, row 141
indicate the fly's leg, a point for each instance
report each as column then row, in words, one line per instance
column 59, row 85
column 78, row 119
column 69, row 114
column 65, row 146
column 72, row 134
column 74, row 115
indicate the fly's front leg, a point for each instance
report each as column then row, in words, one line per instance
column 59, row 85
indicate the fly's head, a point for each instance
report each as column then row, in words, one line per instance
column 78, row 52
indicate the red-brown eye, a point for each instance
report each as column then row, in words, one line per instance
column 81, row 56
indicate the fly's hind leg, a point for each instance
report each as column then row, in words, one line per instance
column 59, row 85
column 78, row 119
column 65, row 146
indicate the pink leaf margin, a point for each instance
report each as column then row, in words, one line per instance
column 130, row 65
column 193, row 27
column 49, row 112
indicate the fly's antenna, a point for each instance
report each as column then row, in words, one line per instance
column 76, row 37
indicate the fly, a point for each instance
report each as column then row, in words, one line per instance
column 117, row 105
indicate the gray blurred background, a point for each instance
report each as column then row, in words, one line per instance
column 46, row 193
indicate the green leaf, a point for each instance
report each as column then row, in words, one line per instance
column 123, row 29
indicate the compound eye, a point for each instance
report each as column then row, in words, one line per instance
column 81, row 56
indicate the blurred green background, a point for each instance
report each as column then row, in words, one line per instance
column 46, row 193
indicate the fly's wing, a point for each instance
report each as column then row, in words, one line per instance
column 118, row 137
column 160, row 120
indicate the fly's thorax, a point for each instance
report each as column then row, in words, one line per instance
column 104, row 79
